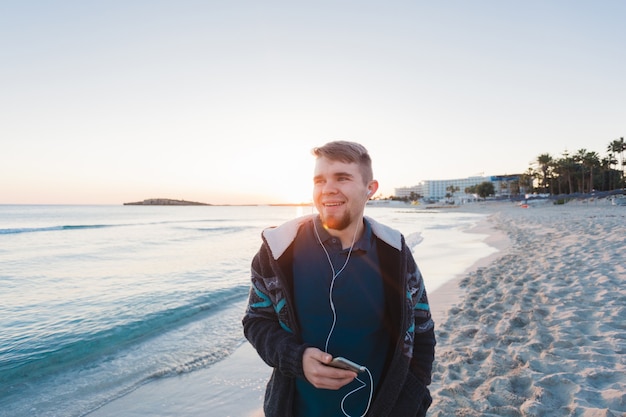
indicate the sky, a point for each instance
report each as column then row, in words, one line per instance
column 222, row 101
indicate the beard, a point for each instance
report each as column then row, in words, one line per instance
column 337, row 222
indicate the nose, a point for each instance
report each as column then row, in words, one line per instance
column 329, row 188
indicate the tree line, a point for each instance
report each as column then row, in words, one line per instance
column 582, row 172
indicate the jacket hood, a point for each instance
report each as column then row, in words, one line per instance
column 279, row 238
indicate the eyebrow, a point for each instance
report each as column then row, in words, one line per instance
column 336, row 174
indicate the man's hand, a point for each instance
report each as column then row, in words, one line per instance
column 320, row 374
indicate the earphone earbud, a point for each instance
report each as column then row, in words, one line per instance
column 369, row 192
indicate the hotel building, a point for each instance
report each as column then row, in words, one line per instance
column 436, row 190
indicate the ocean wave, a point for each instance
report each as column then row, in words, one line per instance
column 216, row 229
column 413, row 239
column 78, row 349
column 230, row 229
column 54, row 228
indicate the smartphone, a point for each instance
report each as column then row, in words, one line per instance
column 344, row 363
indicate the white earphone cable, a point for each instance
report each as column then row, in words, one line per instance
column 332, row 328
column 369, row 401
column 332, row 282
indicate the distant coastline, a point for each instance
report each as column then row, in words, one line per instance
column 173, row 202
column 165, row 202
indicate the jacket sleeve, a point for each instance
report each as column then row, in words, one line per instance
column 424, row 330
column 266, row 324
column 405, row 388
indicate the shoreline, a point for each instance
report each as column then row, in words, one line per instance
column 450, row 293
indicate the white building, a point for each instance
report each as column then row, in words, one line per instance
column 407, row 191
column 436, row 190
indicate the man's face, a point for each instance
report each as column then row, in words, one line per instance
column 339, row 192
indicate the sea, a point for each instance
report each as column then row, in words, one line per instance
column 96, row 301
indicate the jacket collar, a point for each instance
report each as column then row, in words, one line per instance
column 279, row 238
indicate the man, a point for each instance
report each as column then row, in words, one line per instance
column 340, row 284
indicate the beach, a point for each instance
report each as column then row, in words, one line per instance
column 540, row 331
column 534, row 329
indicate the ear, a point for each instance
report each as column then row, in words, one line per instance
column 371, row 188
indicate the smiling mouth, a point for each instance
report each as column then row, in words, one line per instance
column 332, row 204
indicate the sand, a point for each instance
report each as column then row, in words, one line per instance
column 536, row 329
column 542, row 330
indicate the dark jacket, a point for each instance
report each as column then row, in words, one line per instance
column 272, row 328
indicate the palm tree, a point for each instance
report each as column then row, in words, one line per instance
column 591, row 160
column 608, row 163
column 545, row 161
column 566, row 166
column 618, row 146
column 451, row 190
column 579, row 158
column 607, row 172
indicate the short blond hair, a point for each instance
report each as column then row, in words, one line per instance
column 350, row 152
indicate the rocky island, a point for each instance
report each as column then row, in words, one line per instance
column 165, row 202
